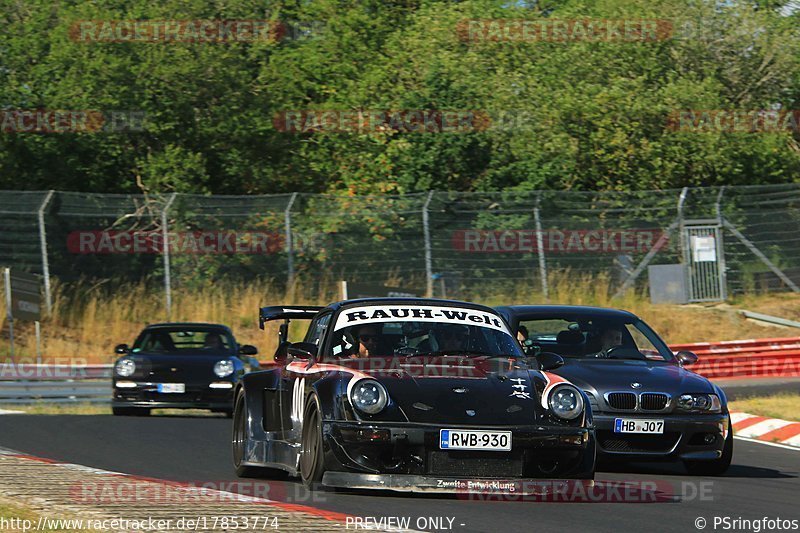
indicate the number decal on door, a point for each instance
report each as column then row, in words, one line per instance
column 298, row 397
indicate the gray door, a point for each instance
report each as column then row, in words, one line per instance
column 705, row 262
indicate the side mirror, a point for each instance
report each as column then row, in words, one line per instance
column 686, row 358
column 549, row 360
column 122, row 349
column 247, row 349
column 306, row 351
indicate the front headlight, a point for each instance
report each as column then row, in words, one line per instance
column 125, row 367
column 699, row 403
column 369, row 396
column 223, row 368
column 566, row 402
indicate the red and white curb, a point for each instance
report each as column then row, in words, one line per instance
column 770, row 430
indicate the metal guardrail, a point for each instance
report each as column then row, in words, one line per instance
column 27, row 383
column 84, row 391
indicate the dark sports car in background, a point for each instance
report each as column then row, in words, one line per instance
column 646, row 405
column 409, row 394
column 180, row 365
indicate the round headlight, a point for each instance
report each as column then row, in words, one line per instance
column 369, row 396
column 566, row 402
column 125, row 367
column 223, row 368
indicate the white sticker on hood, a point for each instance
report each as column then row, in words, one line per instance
column 419, row 313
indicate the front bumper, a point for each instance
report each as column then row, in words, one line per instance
column 196, row 396
column 412, row 483
column 685, row 437
column 408, row 449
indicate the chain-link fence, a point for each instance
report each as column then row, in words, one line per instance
column 440, row 243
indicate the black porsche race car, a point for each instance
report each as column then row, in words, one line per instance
column 646, row 405
column 409, row 394
column 180, row 365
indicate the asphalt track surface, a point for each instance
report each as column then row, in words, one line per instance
column 762, row 482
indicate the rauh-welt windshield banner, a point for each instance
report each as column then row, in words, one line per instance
column 418, row 313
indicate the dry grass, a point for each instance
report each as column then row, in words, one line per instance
column 785, row 405
column 88, row 321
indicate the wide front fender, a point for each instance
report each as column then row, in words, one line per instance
column 331, row 392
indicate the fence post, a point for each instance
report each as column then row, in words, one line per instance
column 167, row 277
column 540, row 247
column 428, row 250
column 287, row 217
column 723, row 269
column 48, row 300
column 9, row 313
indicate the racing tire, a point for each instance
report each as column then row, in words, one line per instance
column 238, row 438
column 715, row 467
column 312, row 466
column 130, row 411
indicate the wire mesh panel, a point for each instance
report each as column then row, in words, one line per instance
column 363, row 239
column 499, row 239
column 103, row 236
column 458, row 244
column 19, row 238
column 237, row 238
column 765, row 220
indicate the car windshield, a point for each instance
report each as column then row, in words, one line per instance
column 597, row 337
column 184, row 341
column 410, row 331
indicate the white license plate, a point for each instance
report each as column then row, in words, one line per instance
column 171, row 387
column 471, row 439
column 636, row 425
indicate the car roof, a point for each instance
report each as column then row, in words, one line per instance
column 204, row 325
column 409, row 301
column 518, row 311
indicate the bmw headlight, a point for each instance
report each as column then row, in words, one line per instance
column 369, row 396
column 223, row 368
column 566, row 402
column 699, row 403
column 125, row 367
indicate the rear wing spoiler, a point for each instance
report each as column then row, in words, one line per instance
column 287, row 312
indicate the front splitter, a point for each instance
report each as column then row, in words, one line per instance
column 452, row 485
